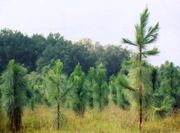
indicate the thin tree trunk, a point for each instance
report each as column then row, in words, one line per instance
column 16, row 114
column 140, row 91
column 58, row 107
column 140, row 106
column 58, row 116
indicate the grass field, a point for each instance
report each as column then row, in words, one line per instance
column 111, row 120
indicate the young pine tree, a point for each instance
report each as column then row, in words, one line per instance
column 163, row 100
column 100, row 95
column 170, row 75
column 90, row 85
column 14, row 89
column 118, row 92
column 78, row 91
column 37, row 89
column 55, row 85
column 113, row 90
column 167, row 96
column 144, row 37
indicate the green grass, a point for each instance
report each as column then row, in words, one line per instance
column 111, row 120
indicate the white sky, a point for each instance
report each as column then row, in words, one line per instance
column 106, row 21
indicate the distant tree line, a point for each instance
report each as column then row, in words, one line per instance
column 37, row 51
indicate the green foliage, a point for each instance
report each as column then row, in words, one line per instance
column 118, row 92
column 78, row 91
column 171, row 74
column 112, row 58
column 113, row 91
column 160, row 87
column 20, row 47
column 14, row 88
column 162, row 100
column 90, row 85
column 97, row 88
column 70, row 55
column 38, row 51
column 167, row 96
column 2, row 115
column 139, row 75
column 144, row 36
column 54, row 81
column 37, row 89
column 101, row 91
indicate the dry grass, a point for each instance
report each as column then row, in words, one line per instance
column 111, row 120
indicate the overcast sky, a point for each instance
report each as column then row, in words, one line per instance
column 106, row 21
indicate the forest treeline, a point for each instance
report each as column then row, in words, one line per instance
column 82, row 75
column 37, row 51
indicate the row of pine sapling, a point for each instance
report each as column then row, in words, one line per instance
column 51, row 87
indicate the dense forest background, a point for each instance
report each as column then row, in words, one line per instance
column 37, row 51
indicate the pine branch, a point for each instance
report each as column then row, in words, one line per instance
column 124, row 83
column 143, row 21
column 155, row 108
column 152, row 34
column 151, row 52
column 127, row 41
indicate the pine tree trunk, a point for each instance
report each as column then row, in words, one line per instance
column 58, row 116
column 58, row 107
column 140, row 106
column 140, row 90
column 16, row 113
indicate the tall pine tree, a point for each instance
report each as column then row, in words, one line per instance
column 144, row 37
